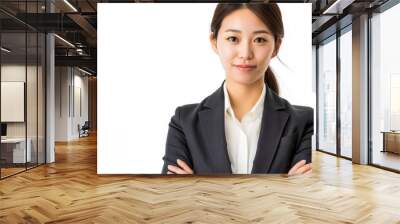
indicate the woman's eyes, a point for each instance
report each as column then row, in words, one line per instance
column 231, row 38
column 262, row 39
column 257, row 40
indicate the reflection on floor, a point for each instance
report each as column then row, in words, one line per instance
column 70, row 191
column 10, row 169
column 386, row 159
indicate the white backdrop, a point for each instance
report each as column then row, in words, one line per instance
column 154, row 57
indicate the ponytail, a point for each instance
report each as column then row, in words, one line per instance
column 270, row 81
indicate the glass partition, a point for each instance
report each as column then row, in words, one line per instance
column 14, row 153
column 22, row 76
column 41, row 86
column 32, row 95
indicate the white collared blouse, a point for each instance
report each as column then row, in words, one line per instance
column 242, row 137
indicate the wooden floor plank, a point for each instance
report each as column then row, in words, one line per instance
column 70, row 191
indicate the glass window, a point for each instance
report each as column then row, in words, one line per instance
column 385, row 87
column 327, row 96
column 346, row 94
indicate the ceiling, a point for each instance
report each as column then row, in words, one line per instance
column 77, row 25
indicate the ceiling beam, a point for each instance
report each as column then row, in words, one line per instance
column 337, row 6
column 85, row 61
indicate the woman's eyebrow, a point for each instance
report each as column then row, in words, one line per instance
column 255, row 32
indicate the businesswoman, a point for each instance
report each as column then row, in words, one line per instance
column 244, row 126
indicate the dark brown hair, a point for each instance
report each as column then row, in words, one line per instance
column 268, row 13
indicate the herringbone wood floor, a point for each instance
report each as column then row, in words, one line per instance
column 70, row 191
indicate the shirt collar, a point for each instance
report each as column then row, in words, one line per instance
column 256, row 110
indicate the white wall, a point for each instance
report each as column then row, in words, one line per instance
column 68, row 81
column 61, row 103
column 80, row 83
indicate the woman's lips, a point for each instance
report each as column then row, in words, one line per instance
column 245, row 68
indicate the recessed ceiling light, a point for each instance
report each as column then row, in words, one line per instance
column 70, row 5
column 84, row 71
column 64, row 40
column 5, row 50
column 337, row 7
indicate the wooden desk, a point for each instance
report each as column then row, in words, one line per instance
column 391, row 141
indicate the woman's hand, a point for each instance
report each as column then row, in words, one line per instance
column 300, row 168
column 182, row 169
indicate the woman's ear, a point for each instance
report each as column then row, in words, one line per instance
column 277, row 47
column 213, row 42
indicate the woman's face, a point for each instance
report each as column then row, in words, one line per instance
column 245, row 46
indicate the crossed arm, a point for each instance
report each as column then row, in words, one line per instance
column 301, row 162
column 299, row 168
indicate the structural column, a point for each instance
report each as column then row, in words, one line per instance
column 360, row 89
column 50, row 92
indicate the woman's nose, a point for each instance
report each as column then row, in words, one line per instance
column 246, row 51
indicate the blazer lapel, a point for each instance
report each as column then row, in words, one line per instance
column 273, row 122
column 212, row 126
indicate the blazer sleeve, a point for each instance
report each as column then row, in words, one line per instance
column 176, row 145
column 303, row 151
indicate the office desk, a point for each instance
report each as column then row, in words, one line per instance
column 13, row 150
column 391, row 141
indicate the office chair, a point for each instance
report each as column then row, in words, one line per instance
column 84, row 130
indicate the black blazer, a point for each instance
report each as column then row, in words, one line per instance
column 196, row 135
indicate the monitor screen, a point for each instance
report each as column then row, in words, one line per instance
column 3, row 129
